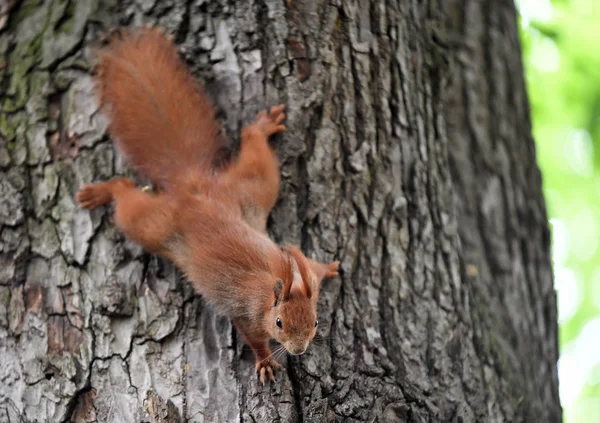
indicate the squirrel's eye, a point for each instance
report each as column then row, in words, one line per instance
column 316, row 323
column 279, row 324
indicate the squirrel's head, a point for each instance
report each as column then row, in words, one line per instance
column 292, row 318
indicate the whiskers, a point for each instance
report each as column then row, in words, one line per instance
column 322, row 340
column 278, row 355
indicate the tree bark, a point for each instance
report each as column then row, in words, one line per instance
column 408, row 157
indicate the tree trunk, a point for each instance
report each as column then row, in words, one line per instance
column 408, row 157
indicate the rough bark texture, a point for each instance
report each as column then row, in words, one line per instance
column 408, row 157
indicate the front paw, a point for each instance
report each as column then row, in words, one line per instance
column 266, row 369
column 271, row 124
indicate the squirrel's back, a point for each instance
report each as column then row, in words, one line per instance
column 159, row 116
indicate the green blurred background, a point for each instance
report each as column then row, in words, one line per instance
column 561, row 54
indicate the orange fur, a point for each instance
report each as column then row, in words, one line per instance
column 304, row 269
column 142, row 79
column 210, row 222
column 256, row 171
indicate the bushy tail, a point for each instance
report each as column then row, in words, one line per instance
column 159, row 116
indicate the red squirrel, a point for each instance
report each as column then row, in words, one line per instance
column 210, row 222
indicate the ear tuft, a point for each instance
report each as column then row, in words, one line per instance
column 278, row 290
column 303, row 267
column 284, row 272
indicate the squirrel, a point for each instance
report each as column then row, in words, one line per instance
column 210, row 222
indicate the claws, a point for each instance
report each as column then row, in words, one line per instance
column 271, row 123
column 333, row 269
column 275, row 110
column 265, row 369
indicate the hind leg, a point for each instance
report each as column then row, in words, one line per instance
column 256, row 170
column 146, row 219
column 257, row 159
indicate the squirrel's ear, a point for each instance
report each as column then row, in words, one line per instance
column 285, row 277
column 278, row 291
column 304, row 268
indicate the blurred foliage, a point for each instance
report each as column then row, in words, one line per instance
column 561, row 52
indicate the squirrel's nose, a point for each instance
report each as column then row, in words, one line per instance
column 298, row 350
